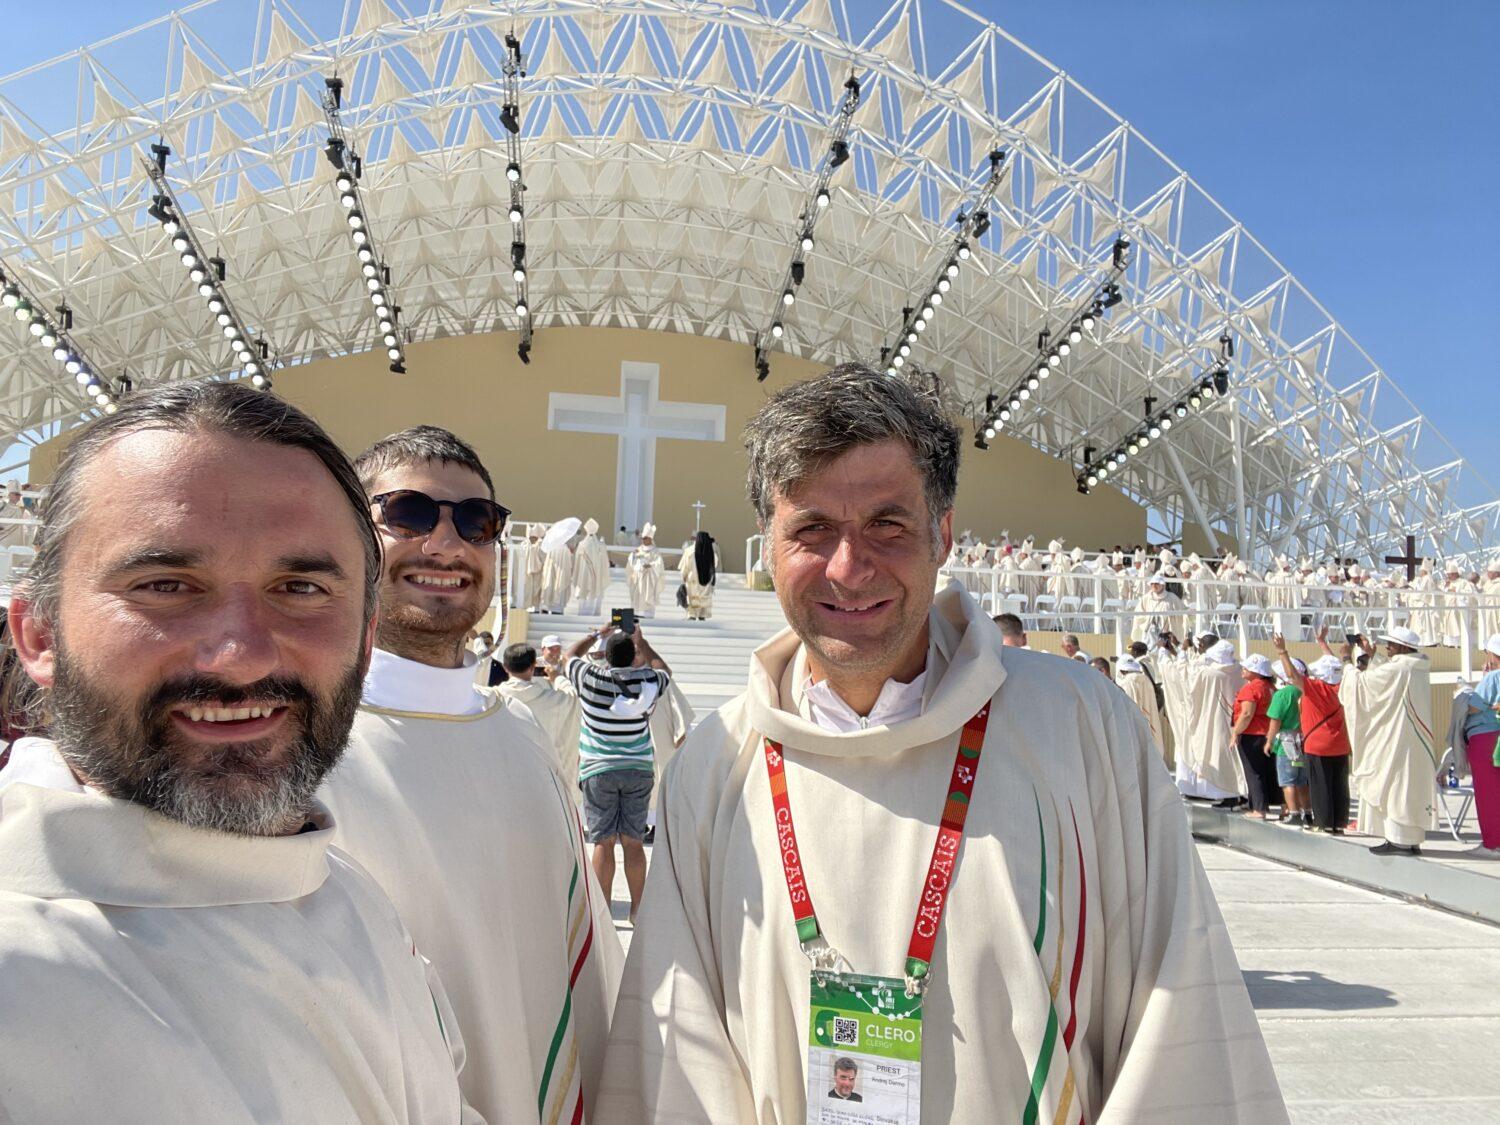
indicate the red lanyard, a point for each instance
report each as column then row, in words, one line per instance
column 939, row 879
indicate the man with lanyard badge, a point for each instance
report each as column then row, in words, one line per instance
column 956, row 865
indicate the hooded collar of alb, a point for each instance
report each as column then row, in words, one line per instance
column 965, row 667
column 61, row 844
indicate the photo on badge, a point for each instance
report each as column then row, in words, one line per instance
column 864, row 1051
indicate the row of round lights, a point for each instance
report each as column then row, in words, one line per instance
column 42, row 330
column 1213, row 386
column 918, row 324
column 997, row 416
column 205, row 276
column 370, row 269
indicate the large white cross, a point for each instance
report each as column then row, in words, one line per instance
column 638, row 417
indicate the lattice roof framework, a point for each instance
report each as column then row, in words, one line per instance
column 668, row 146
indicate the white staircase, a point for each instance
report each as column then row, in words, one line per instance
column 709, row 659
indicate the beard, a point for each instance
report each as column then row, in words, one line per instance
column 416, row 626
column 246, row 788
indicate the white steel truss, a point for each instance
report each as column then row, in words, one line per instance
column 669, row 145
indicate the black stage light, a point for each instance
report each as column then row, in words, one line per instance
column 510, row 117
column 799, row 271
column 981, row 224
column 838, row 154
column 1221, row 381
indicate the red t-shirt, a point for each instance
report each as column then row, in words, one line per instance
column 1259, row 693
column 1323, row 732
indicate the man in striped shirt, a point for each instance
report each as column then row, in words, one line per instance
column 614, row 748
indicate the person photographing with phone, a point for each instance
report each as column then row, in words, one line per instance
column 615, row 768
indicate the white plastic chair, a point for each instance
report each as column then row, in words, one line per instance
column 1067, row 613
column 1045, row 607
column 1464, row 791
column 1224, row 617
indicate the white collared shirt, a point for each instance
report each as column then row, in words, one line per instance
column 896, row 703
column 398, row 684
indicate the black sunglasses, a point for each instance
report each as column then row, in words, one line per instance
column 409, row 514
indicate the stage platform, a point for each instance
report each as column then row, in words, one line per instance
column 1442, row 876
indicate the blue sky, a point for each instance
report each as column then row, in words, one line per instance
column 1357, row 139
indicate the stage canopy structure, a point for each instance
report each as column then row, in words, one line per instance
column 667, row 150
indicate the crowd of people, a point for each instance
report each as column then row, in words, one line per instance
column 1249, row 733
column 274, row 851
column 572, row 565
column 1443, row 610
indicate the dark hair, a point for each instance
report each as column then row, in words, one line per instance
column 519, row 658
column 1137, row 648
column 803, row 427
column 1010, row 625
column 417, row 446
column 199, row 405
column 619, row 650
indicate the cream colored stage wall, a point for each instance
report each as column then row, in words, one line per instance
column 477, row 387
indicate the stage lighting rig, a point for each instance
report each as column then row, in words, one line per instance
column 256, row 359
column 513, row 70
column 54, row 334
column 375, row 273
column 1052, row 349
column 972, row 222
column 818, row 201
column 1155, row 424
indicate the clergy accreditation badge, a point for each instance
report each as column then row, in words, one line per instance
column 864, row 1051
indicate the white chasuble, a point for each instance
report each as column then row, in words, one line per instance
column 465, row 821
column 557, row 578
column 1142, row 693
column 554, row 705
column 1082, row 970
column 152, row 972
column 1208, row 764
column 643, row 572
column 1389, row 705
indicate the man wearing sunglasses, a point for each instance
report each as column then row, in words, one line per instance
column 453, row 801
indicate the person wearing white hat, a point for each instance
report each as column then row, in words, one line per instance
column 1489, row 597
column 1325, row 738
column 557, row 576
column 643, row 571
column 1251, row 723
column 1420, row 597
column 1207, row 765
column 1158, row 611
column 1482, row 733
column 1389, row 704
column 1131, row 676
column 590, row 570
column 13, row 508
column 1458, row 598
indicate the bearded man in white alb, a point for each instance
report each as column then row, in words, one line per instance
column 1080, row 967
column 455, row 804
column 178, row 941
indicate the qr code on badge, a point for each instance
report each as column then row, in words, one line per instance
column 845, row 1032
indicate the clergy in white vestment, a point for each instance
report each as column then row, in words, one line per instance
column 13, row 509
column 178, row 940
column 643, row 573
column 1458, row 622
column 533, row 562
column 1133, row 680
column 671, row 720
column 699, row 569
column 557, row 578
column 1158, row 612
column 1489, row 597
column 1389, row 704
column 553, row 704
column 453, row 800
column 1208, row 764
column 1421, row 598
column 1068, row 953
column 590, row 570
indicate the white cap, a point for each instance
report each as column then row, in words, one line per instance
column 1493, row 566
column 1221, row 653
column 1259, row 664
column 1451, row 567
column 13, row 486
column 1156, row 580
column 1128, row 664
column 1281, row 669
column 1492, row 646
column 1401, row 635
column 551, row 639
column 1329, row 669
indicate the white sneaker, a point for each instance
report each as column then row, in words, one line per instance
column 1481, row 852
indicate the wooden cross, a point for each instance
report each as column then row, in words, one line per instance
column 1411, row 560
